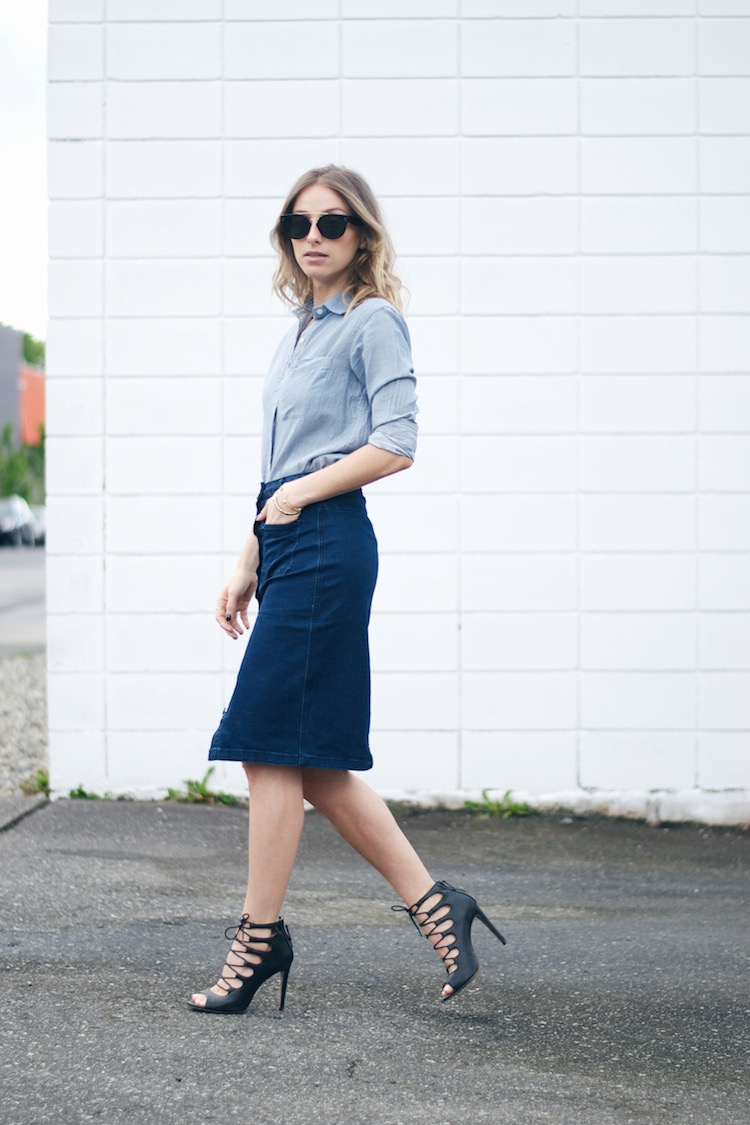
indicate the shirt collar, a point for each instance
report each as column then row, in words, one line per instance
column 335, row 305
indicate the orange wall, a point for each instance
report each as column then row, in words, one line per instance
column 32, row 405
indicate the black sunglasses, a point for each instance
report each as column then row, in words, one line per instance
column 329, row 226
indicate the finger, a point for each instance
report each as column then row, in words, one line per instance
column 222, row 622
column 227, row 625
column 262, row 514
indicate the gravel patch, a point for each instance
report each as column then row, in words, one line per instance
column 23, row 719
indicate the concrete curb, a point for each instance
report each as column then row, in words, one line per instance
column 15, row 808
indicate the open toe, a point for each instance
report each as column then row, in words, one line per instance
column 259, row 950
column 445, row 916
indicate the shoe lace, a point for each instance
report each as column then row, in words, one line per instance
column 446, row 950
column 239, row 935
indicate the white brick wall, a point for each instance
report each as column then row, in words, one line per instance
column 564, row 600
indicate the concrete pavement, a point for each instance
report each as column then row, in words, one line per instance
column 23, row 624
column 622, row 996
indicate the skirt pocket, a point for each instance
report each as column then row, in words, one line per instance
column 278, row 543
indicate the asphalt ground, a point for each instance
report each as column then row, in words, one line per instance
column 621, row 997
column 23, row 626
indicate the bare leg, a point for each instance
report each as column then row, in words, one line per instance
column 274, row 828
column 364, row 820
column 276, row 815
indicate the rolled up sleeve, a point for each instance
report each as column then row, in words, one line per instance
column 382, row 361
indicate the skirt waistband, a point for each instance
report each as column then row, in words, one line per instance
column 353, row 500
column 268, row 488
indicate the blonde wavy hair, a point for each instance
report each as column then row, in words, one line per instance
column 371, row 272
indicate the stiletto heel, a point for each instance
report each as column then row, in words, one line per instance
column 273, row 954
column 483, row 918
column 451, row 917
column 282, row 997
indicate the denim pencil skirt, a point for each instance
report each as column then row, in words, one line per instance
column 302, row 696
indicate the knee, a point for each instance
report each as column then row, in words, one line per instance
column 267, row 778
column 321, row 786
column 257, row 773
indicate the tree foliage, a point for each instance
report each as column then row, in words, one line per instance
column 21, row 467
column 33, row 350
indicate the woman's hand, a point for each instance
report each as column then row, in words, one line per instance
column 233, row 602
column 271, row 511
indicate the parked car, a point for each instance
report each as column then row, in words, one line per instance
column 16, row 521
column 39, row 512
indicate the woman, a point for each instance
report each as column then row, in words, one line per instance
column 339, row 413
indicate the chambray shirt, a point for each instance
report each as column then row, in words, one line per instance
column 348, row 382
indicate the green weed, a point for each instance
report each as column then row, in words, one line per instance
column 504, row 806
column 36, row 784
column 81, row 794
column 198, row 792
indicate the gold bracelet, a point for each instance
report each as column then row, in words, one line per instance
column 292, row 511
column 296, row 511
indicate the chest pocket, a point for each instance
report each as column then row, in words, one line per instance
column 306, row 381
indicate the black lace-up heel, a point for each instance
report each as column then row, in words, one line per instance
column 451, row 917
column 274, row 955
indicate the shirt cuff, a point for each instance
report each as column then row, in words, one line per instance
column 399, row 438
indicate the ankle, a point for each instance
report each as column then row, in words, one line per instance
column 418, row 892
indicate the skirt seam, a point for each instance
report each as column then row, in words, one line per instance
column 310, row 633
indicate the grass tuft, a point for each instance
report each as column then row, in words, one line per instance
column 36, row 784
column 504, row 806
column 198, row 792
